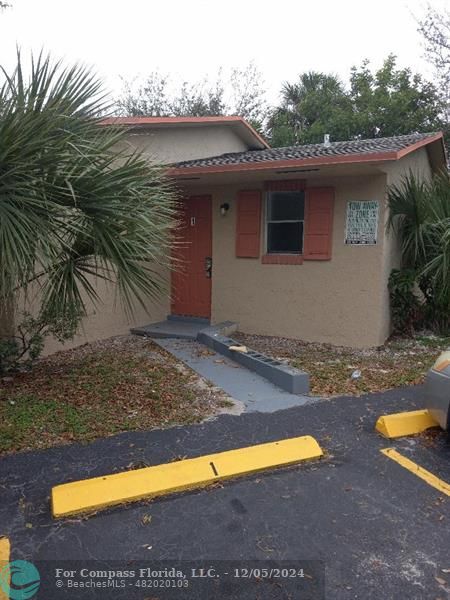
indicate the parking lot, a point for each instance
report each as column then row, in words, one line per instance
column 376, row 529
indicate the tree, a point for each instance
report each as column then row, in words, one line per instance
column 392, row 101
column 153, row 97
column 241, row 94
column 420, row 214
column 386, row 102
column 435, row 29
column 201, row 99
column 317, row 104
column 248, row 96
column 72, row 207
column 146, row 98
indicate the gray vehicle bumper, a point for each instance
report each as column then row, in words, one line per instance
column 437, row 393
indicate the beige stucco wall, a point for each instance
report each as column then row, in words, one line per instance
column 168, row 145
column 417, row 162
column 160, row 145
column 343, row 301
column 337, row 301
column 105, row 319
column 109, row 318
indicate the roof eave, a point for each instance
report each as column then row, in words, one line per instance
column 284, row 164
column 425, row 142
column 319, row 161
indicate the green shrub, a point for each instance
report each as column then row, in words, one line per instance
column 23, row 348
column 406, row 309
column 419, row 213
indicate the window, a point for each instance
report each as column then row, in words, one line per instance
column 285, row 217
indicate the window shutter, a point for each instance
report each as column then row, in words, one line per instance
column 248, row 224
column 318, row 223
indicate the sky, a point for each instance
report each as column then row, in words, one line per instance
column 193, row 38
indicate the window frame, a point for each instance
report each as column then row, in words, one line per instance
column 268, row 254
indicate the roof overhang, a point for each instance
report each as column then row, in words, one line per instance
column 434, row 144
column 244, row 130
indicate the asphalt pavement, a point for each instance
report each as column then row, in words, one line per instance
column 354, row 524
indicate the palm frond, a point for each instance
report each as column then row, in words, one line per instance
column 420, row 215
column 72, row 205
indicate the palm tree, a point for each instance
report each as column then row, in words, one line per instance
column 73, row 207
column 420, row 213
column 315, row 105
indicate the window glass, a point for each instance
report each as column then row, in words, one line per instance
column 285, row 237
column 286, row 206
column 285, row 215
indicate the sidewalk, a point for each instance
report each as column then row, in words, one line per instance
column 254, row 392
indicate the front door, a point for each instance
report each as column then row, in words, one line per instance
column 191, row 277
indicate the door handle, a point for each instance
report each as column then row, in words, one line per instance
column 208, row 267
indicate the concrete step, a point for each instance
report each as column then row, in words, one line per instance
column 184, row 329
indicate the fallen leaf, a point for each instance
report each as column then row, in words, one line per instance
column 146, row 519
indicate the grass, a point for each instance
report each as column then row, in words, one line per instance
column 96, row 391
column 399, row 362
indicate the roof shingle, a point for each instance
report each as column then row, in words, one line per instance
column 347, row 148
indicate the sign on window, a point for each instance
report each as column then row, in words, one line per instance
column 362, row 222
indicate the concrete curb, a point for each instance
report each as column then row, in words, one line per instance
column 285, row 377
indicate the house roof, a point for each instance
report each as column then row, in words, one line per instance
column 352, row 151
column 249, row 135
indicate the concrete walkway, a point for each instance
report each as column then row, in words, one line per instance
column 254, row 392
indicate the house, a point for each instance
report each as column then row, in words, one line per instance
column 162, row 140
column 287, row 241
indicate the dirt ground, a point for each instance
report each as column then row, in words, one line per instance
column 338, row 370
column 99, row 389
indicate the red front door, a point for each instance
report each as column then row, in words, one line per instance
column 191, row 277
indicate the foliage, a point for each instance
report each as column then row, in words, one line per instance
column 148, row 98
column 389, row 101
column 316, row 105
column 435, row 29
column 395, row 101
column 420, row 213
column 153, row 97
column 22, row 349
column 198, row 100
column 242, row 93
column 73, row 208
column 405, row 305
column 248, row 96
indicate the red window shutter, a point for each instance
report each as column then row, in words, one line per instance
column 318, row 223
column 248, row 224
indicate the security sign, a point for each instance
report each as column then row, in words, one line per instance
column 362, row 222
